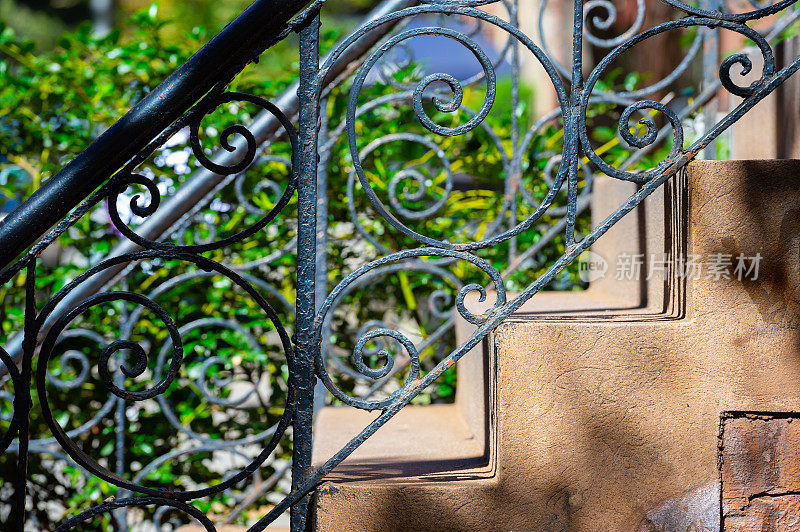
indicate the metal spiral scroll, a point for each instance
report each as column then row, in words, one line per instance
column 370, row 334
column 439, row 302
column 454, row 104
column 650, row 137
column 201, row 380
column 417, row 96
column 123, row 181
column 453, row 84
column 143, row 303
column 411, row 175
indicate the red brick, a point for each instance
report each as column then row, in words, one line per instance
column 760, row 473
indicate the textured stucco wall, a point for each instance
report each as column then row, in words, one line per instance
column 610, row 421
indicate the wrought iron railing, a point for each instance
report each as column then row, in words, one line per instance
column 541, row 184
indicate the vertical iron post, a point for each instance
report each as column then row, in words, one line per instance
column 321, row 283
column 22, row 399
column 306, row 266
column 514, row 180
column 571, row 123
column 710, row 62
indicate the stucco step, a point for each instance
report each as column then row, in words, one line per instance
column 607, row 417
column 420, row 443
column 434, row 467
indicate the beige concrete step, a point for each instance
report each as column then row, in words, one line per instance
column 423, row 443
column 610, row 420
column 448, row 453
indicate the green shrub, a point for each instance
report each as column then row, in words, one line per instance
column 54, row 103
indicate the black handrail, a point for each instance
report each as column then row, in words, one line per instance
column 241, row 41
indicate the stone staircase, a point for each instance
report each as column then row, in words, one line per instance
column 604, row 409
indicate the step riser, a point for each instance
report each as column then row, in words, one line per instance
column 613, row 422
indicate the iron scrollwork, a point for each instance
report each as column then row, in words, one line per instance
column 132, row 372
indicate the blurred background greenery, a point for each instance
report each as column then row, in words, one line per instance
column 43, row 21
column 67, row 72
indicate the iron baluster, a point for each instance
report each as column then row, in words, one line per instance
column 308, row 93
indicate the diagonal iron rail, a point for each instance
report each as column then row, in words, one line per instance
column 264, row 23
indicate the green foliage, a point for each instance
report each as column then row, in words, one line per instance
column 54, row 103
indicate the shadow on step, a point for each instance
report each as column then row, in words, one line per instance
column 442, row 470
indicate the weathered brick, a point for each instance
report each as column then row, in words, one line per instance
column 760, row 473
column 767, row 514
